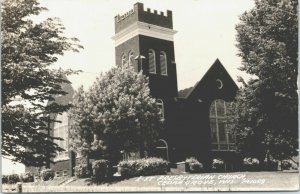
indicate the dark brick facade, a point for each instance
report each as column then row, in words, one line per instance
column 187, row 126
column 162, row 87
column 191, row 133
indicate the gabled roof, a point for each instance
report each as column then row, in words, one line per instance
column 217, row 65
column 184, row 92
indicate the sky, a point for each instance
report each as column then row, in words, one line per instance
column 206, row 31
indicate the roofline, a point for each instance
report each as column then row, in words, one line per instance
column 197, row 83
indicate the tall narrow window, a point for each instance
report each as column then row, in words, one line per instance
column 61, row 130
column 123, row 60
column 163, row 63
column 130, row 58
column 221, row 137
column 160, row 105
column 152, row 63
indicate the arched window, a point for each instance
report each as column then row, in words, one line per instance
column 61, row 130
column 221, row 137
column 160, row 105
column 123, row 60
column 163, row 63
column 130, row 58
column 152, row 63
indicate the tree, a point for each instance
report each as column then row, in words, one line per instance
column 115, row 114
column 265, row 118
column 28, row 83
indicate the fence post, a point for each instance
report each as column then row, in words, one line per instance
column 19, row 187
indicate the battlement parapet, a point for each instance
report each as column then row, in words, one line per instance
column 139, row 14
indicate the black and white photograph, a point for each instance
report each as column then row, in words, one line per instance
column 149, row 96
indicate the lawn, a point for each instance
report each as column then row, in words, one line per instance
column 237, row 181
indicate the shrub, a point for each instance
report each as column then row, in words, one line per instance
column 251, row 161
column 251, row 164
column 218, row 164
column 82, row 171
column 13, row 178
column 143, row 167
column 4, row 179
column 100, row 169
column 271, row 165
column 286, row 165
column 194, row 165
column 27, row 177
column 47, row 174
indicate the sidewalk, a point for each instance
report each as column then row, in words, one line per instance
column 237, row 181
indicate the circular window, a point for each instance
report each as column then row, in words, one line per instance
column 219, row 84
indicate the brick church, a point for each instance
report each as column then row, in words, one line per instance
column 194, row 118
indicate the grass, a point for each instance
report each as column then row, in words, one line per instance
column 237, row 181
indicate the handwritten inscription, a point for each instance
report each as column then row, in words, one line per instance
column 194, row 180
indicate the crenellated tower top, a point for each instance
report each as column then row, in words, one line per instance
column 138, row 14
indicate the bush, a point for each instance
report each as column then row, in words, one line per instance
column 251, row 164
column 143, row 167
column 271, row 165
column 4, row 179
column 194, row 165
column 251, row 161
column 286, row 165
column 218, row 164
column 27, row 177
column 82, row 171
column 11, row 178
column 47, row 174
column 100, row 169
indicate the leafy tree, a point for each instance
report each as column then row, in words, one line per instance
column 265, row 117
column 28, row 83
column 115, row 114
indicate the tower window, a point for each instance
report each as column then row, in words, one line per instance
column 130, row 58
column 160, row 105
column 163, row 63
column 152, row 63
column 123, row 61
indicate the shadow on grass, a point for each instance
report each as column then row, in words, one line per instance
column 107, row 181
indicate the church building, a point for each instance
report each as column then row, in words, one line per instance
column 194, row 118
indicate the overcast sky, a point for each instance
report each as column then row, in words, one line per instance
column 206, row 31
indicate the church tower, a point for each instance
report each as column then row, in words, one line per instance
column 144, row 39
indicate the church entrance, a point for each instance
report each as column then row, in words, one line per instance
column 162, row 149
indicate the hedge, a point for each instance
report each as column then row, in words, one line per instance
column 143, row 167
column 10, row 179
column 100, row 169
column 218, row 165
column 82, row 171
column 194, row 165
column 47, row 174
column 27, row 177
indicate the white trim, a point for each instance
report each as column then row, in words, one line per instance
column 221, row 84
column 154, row 61
column 57, row 159
column 130, row 57
column 166, row 59
column 141, row 28
column 123, row 60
